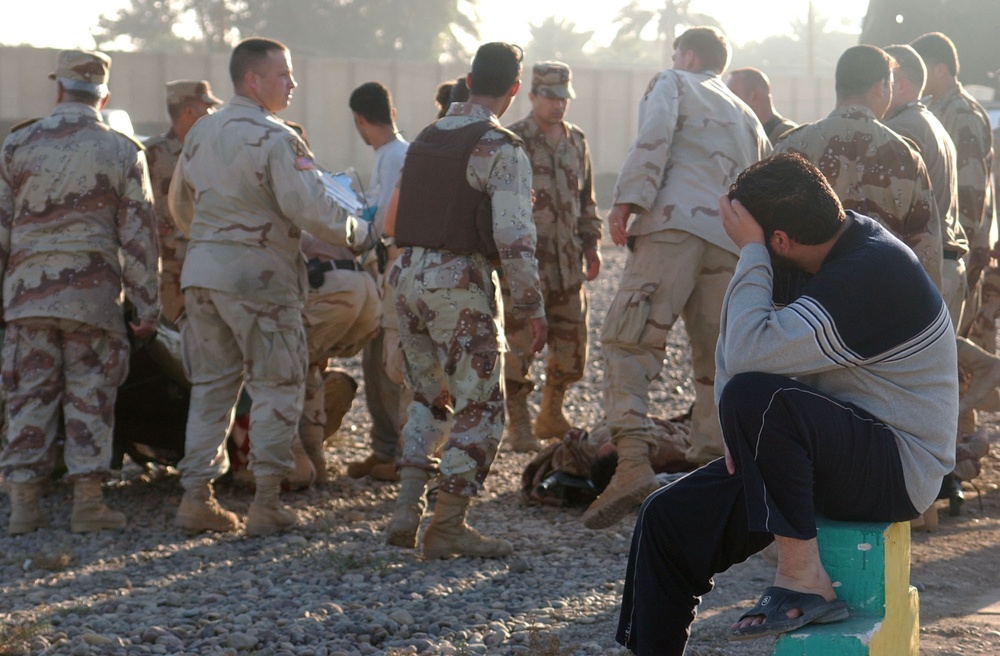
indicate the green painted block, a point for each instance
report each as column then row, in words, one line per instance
column 854, row 557
column 851, row 637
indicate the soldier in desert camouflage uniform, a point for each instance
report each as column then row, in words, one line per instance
column 187, row 101
column 694, row 138
column 244, row 189
column 76, row 228
column 565, row 214
column 969, row 126
column 871, row 168
column 464, row 206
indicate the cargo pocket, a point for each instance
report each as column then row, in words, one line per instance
column 278, row 351
column 626, row 319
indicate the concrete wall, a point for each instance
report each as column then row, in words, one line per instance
column 605, row 106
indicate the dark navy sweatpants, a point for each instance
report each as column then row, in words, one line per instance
column 798, row 453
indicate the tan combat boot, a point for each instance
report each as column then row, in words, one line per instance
column 25, row 513
column 200, row 511
column 362, row 468
column 313, row 440
column 449, row 535
column 983, row 370
column 409, row 509
column 339, row 391
column 266, row 515
column 89, row 512
column 304, row 472
column 518, row 426
column 633, row 481
column 551, row 423
column 384, row 471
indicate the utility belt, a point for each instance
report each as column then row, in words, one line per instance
column 316, row 269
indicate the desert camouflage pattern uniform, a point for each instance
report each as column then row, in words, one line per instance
column 162, row 152
column 915, row 122
column 567, row 224
column 244, row 189
column 876, row 173
column 694, row 138
column 76, row 229
column 341, row 317
column 451, row 319
column 969, row 126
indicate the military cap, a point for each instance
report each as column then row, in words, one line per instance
column 182, row 91
column 83, row 70
column 552, row 79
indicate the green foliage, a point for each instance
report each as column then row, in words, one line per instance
column 15, row 636
column 560, row 40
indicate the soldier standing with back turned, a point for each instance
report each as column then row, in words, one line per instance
column 76, row 228
column 569, row 229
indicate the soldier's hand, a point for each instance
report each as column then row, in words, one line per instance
column 592, row 259
column 740, row 225
column 144, row 329
column 539, row 328
column 617, row 220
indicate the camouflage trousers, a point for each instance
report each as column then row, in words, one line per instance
column 981, row 310
column 171, row 296
column 59, row 373
column 227, row 342
column 451, row 333
column 341, row 318
column 668, row 274
column 566, row 312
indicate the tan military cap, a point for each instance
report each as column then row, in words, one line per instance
column 552, row 79
column 181, row 91
column 83, row 70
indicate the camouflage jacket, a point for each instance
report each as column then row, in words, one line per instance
column 244, row 189
column 565, row 210
column 969, row 126
column 501, row 169
column 915, row 122
column 694, row 138
column 874, row 172
column 76, row 222
column 162, row 153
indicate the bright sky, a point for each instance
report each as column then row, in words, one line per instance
column 68, row 23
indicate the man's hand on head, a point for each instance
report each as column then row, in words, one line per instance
column 739, row 224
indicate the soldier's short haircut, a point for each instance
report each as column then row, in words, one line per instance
column 709, row 43
column 936, row 48
column 495, row 68
column 859, row 68
column 786, row 192
column 754, row 77
column 248, row 54
column 911, row 66
column 80, row 96
column 373, row 102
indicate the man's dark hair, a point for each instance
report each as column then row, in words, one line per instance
column 786, row 192
column 248, row 54
column 709, row 44
column 936, row 48
column 83, row 97
column 911, row 66
column 495, row 69
column 859, row 68
column 373, row 102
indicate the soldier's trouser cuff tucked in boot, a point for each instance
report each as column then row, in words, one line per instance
column 266, row 515
column 634, row 480
column 518, row 426
column 409, row 509
column 25, row 512
column 89, row 512
column 551, row 423
column 200, row 511
column 449, row 535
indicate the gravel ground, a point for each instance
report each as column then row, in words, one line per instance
column 332, row 586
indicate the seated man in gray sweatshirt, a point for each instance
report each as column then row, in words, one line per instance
column 836, row 386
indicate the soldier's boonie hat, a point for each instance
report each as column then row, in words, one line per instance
column 83, row 70
column 182, row 91
column 552, row 79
